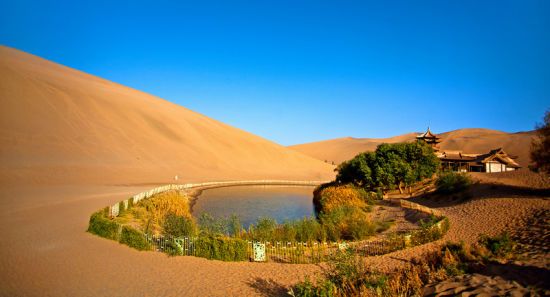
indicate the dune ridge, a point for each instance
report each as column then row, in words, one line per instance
column 62, row 125
column 468, row 140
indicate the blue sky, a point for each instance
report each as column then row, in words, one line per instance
column 301, row 71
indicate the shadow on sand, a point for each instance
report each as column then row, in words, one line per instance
column 268, row 287
column 528, row 276
column 479, row 191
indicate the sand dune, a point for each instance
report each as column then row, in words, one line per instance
column 61, row 125
column 72, row 143
column 467, row 140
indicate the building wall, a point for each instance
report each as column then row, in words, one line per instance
column 495, row 167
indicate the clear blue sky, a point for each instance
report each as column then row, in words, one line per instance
column 301, row 71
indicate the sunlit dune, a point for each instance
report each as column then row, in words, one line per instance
column 467, row 140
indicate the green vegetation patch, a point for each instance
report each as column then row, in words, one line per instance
column 450, row 182
column 134, row 238
column 391, row 166
column 221, row 248
column 103, row 226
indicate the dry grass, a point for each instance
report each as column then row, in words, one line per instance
column 149, row 214
column 332, row 198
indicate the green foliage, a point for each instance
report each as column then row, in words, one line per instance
column 540, row 147
column 211, row 226
column 500, row 246
column 265, row 229
column 221, row 248
column 134, row 238
column 121, row 208
column 179, row 226
column 450, row 182
column 347, row 222
column 308, row 230
column 234, row 226
column 430, row 230
column 101, row 225
column 307, row 289
column 390, row 166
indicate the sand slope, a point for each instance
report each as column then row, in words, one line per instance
column 60, row 125
column 72, row 143
column 467, row 140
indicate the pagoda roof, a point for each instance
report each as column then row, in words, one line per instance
column 427, row 134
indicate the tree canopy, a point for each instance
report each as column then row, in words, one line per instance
column 390, row 166
column 540, row 149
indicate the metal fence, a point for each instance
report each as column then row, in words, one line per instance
column 281, row 252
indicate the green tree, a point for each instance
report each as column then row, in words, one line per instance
column 179, row 226
column 390, row 166
column 540, row 147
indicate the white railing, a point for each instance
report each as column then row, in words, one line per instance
column 114, row 209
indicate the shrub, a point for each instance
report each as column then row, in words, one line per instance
column 102, row 226
column 390, row 166
column 234, row 225
column 134, row 238
column 265, row 229
column 349, row 275
column 179, row 226
column 540, row 146
column 308, row 230
column 326, row 199
column 211, row 226
column 221, row 248
column 452, row 182
column 158, row 206
column 347, row 223
column 307, row 289
column 430, row 231
column 500, row 246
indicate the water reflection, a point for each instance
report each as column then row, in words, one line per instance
column 252, row 202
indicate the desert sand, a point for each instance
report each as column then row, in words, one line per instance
column 72, row 143
column 63, row 126
column 468, row 140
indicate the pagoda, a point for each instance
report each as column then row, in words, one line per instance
column 430, row 139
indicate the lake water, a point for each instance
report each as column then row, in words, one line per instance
column 252, row 202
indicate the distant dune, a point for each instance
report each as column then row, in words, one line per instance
column 62, row 125
column 467, row 140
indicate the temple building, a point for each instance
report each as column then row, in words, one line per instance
column 496, row 160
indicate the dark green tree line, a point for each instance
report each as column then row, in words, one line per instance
column 391, row 166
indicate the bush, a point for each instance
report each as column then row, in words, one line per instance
column 265, row 229
column 390, row 166
column 308, row 289
column 328, row 198
column 452, row 182
column 234, row 226
column 500, row 246
column 347, row 223
column 179, row 226
column 159, row 206
column 102, row 226
column 211, row 226
column 430, row 231
column 134, row 238
column 221, row 248
column 308, row 230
